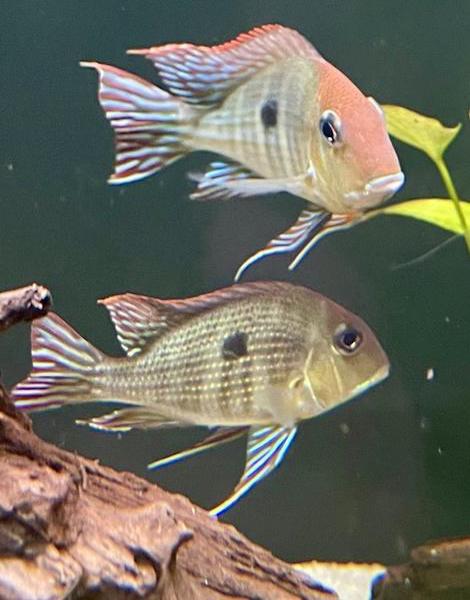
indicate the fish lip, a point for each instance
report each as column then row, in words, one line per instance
column 382, row 373
column 386, row 185
column 376, row 191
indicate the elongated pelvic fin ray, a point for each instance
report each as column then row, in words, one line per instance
column 266, row 448
column 221, row 436
column 337, row 222
column 308, row 222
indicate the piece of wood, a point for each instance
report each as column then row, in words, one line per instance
column 23, row 304
column 437, row 570
column 69, row 526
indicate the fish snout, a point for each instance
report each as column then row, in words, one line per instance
column 382, row 372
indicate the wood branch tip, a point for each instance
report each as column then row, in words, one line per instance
column 24, row 304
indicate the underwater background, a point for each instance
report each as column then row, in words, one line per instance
column 373, row 478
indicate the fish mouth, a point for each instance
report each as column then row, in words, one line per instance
column 382, row 373
column 386, row 186
column 376, row 191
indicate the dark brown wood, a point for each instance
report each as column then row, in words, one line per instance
column 436, row 571
column 23, row 304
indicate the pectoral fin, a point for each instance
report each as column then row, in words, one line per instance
column 221, row 436
column 266, row 448
column 309, row 222
column 232, row 180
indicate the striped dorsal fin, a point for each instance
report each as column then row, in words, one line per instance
column 204, row 75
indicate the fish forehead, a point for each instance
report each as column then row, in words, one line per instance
column 367, row 143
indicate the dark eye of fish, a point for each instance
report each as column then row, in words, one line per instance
column 347, row 339
column 235, row 345
column 269, row 113
column 330, row 127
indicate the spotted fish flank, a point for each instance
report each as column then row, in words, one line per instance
column 282, row 116
column 269, row 113
column 235, row 345
column 251, row 359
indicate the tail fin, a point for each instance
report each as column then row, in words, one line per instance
column 63, row 367
column 149, row 123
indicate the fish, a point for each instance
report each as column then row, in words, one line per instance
column 252, row 359
column 281, row 116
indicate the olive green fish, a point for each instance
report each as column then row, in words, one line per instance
column 284, row 118
column 256, row 358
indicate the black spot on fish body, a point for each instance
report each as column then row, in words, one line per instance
column 269, row 113
column 235, row 345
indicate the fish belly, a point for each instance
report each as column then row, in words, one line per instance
column 265, row 122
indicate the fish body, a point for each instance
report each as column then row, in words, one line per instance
column 259, row 357
column 278, row 151
column 285, row 119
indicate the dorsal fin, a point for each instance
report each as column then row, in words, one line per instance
column 142, row 319
column 205, row 74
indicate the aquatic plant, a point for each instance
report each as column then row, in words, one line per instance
column 431, row 137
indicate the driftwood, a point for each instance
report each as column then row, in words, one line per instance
column 72, row 528
column 24, row 304
column 436, row 571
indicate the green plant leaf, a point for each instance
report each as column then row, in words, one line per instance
column 436, row 211
column 425, row 133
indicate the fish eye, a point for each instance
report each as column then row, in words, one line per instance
column 330, row 127
column 347, row 339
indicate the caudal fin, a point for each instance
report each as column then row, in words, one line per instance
column 63, row 367
column 150, row 124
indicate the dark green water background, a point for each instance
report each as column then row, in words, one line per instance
column 375, row 477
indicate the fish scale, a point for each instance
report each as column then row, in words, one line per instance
column 183, row 355
column 236, row 129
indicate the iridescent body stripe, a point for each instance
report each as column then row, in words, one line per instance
column 236, row 129
column 188, row 376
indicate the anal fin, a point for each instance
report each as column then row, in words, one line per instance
column 266, row 448
column 127, row 419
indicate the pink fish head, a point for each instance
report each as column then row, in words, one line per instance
column 357, row 166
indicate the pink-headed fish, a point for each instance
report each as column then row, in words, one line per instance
column 254, row 358
column 285, row 118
